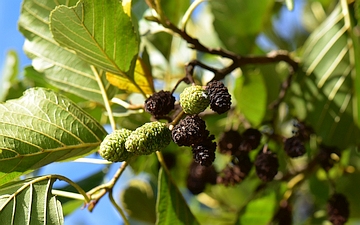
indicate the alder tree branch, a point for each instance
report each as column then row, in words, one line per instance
column 237, row 60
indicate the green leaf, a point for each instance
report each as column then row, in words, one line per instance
column 327, row 89
column 43, row 127
column 140, row 191
column 100, row 33
column 171, row 207
column 250, row 94
column 238, row 22
column 9, row 75
column 60, row 67
column 30, row 202
column 142, row 79
column 174, row 10
column 259, row 211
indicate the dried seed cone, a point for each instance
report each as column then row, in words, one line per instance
column 324, row 156
column 194, row 100
column 199, row 176
column 204, row 153
column 338, row 209
column 220, row 99
column 190, row 131
column 266, row 165
column 112, row 148
column 236, row 172
column 160, row 103
column 229, row 142
column 294, row 147
column 251, row 139
column 283, row 216
column 150, row 137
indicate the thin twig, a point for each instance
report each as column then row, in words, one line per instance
column 118, row 208
column 105, row 97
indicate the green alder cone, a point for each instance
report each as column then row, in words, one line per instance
column 112, row 148
column 150, row 137
column 194, row 100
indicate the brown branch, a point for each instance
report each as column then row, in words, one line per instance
column 237, row 60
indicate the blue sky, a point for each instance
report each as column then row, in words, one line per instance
column 11, row 38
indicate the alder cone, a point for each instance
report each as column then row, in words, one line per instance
column 266, row 165
column 338, row 209
column 190, row 131
column 220, row 99
column 160, row 103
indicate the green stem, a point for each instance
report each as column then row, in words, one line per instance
column 177, row 118
column 112, row 200
column 67, row 194
column 109, row 185
column 105, row 97
column 162, row 162
column 75, row 185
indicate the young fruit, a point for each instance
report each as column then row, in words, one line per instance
column 150, row 137
column 112, row 148
column 194, row 100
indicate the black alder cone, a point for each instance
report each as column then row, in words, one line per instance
column 294, row 147
column 283, row 216
column 220, row 99
column 199, row 176
column 229, row 142
column 190, row 131
column 204, row 153
column 266, row 165
column 324, row 157
column 250, row 139
column 235, row 172
column 338, row 209
column 160, row 103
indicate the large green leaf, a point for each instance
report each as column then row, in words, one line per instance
column 250, row 94
column 174, row 10
column 326, row 89
column 238, row 22
column 42, row 127
column 30, row 202
column 61, row 67
column 139, row 191
column 259, row 211
column 171, row 207
column 101, row 33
